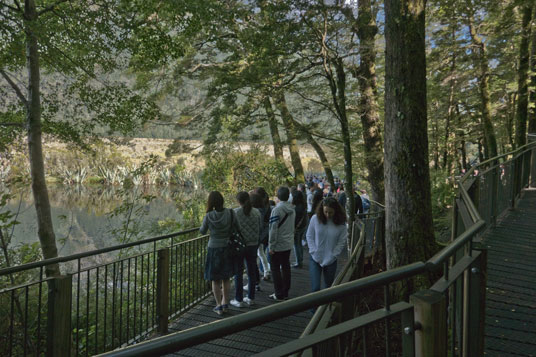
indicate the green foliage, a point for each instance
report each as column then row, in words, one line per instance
column 443, row 194
column 229, row 171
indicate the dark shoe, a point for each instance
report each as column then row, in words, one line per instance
column 225, row 307
column 258, row 287
column 218, row 310
column 297, row 266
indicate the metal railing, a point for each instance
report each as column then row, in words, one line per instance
column 104, row 299
column 448, row 316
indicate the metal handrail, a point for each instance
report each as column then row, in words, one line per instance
column 76, row 256
column 338, row 280
column 196, row 335
column 496, row 158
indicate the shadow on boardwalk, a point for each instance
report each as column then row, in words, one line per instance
column 511, row 284
column 255, row 339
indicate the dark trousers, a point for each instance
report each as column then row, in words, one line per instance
column 250, row 258
column 281, row 273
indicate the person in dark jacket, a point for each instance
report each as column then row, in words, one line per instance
column 300, row 225
column 219, row 266
column 263, row 204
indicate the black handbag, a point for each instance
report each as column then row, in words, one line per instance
column 236, row 243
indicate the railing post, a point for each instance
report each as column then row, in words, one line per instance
column 162, row 290
column 430, row 313
column 473, row 342
column 532, row 138
column 514, row 183
column 59, row 316
column 494, row 192
column 408, row 333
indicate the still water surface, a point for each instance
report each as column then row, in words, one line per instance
column 82, row 215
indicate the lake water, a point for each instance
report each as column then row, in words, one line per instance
column 83, row 219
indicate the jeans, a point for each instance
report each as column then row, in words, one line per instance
column 250, row 258
column 252, row 270
column 265, row 260
column 281, row 273
column 316, row 270
column 298, row 247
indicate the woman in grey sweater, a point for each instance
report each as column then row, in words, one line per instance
column 219, row 267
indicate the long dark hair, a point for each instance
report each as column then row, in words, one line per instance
column 262, row 192
column 256, row 200
column 338, row 218
column 298, row 198
column 243, row 198
column 214, row 201
column 317, row 198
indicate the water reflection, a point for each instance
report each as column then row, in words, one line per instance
column 82, row 214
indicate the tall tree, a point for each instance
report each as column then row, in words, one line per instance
column 62, row 37
column 368, row 106
column 274, row 130
column 482, row 63
column 522, row 77
column 532, row 91
column 409, row 228
column 290, row 129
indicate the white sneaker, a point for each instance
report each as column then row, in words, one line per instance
column 236, row 303
column 246, row 287
column 249, row 301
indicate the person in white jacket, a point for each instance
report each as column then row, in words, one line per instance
column 326, row 238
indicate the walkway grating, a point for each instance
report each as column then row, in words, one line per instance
column 256, row 339
column 511, row 282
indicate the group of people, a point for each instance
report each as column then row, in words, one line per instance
column 271, row 229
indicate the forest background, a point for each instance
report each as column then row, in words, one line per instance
column 92, row 75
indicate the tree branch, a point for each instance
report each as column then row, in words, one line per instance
column 11, row 7
column 12, row 124
column 51, row 7
column 15, row 88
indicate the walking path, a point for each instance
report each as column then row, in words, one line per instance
column 256, row 339
column 511, row 283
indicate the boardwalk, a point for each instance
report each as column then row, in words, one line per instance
column 256, row 339
column 511, row 285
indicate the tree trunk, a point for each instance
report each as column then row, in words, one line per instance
column 510, row 119
column 409, row 226
column 274, row 131
column 532, row 88
column 319, row 151
column 461, row 135
column 339, row 97
column 45, row 229
column 450, row 110
column 369, row 114
column 522, row 76
column 490, row 141
column 288, row 123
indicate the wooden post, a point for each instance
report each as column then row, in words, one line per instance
column 430, row 312
column 59, row 316
column 408, row 333
column 162, row 290
column 496, row 172
column 532, row 138
column 473, row 342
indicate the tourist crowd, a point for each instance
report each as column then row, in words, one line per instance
column 311, row 215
